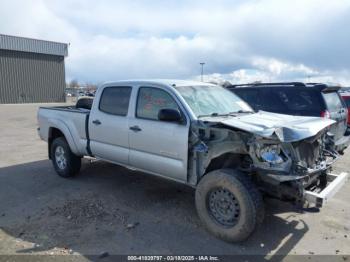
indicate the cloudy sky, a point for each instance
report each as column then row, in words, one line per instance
column 241, row 41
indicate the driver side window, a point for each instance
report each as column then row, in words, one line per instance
column 150, row 100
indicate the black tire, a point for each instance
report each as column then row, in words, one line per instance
column 243, row 211
column 72, row 162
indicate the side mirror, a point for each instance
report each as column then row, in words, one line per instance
column 169, row 115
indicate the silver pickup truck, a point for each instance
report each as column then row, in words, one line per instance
column 201, row 135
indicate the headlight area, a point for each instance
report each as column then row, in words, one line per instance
column 269, row 155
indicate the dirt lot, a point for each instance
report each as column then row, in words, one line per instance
column 110, row 209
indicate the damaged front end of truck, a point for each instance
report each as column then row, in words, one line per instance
column 287, row 157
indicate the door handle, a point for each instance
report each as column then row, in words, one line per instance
column 97, row 122
column 135, row 128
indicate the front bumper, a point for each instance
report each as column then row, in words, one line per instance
column 335, row 182
column 312, row 185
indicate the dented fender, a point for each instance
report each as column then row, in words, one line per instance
column 285, row 128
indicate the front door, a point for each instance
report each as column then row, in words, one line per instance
column 156, row 146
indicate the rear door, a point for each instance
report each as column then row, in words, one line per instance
column 337, row 112
column 156, row 146
column 108, row 125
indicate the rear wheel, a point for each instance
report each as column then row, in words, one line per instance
column 65, row 162
column 229, row 204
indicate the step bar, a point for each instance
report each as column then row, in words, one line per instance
column 335, row 183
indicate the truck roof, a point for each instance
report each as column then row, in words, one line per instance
column 167, row 82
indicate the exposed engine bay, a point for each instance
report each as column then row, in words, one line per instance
column 282, row 165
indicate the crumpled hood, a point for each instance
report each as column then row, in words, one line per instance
column 286, row 128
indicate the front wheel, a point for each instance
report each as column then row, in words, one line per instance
column 229, row 204
column 65, row 162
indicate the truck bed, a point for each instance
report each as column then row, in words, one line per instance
column 70, row 120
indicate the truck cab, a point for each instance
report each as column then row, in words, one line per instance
column 139, row 139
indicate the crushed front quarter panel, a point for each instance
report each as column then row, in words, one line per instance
column 285, row 128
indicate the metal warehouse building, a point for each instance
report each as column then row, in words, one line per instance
column 31, row 70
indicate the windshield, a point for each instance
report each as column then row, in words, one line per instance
column 212, row 100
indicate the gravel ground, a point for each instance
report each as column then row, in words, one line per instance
column 110, row 209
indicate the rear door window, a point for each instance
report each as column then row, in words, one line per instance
column 115, row 100
column 271, row 102
column 291, row 101
column 249, row 95
column 333, row 101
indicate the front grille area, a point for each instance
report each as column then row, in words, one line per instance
column 308, row 152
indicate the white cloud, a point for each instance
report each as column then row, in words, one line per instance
column 272, row 70
column 276, row 67
column 270, row 40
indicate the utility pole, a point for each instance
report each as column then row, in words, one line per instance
column 202, row 65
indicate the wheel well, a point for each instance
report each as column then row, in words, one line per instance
column 228, row 160
column 53, row 134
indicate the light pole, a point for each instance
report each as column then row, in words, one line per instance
column 202, row 65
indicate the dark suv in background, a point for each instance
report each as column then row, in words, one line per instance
column 312, row 99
